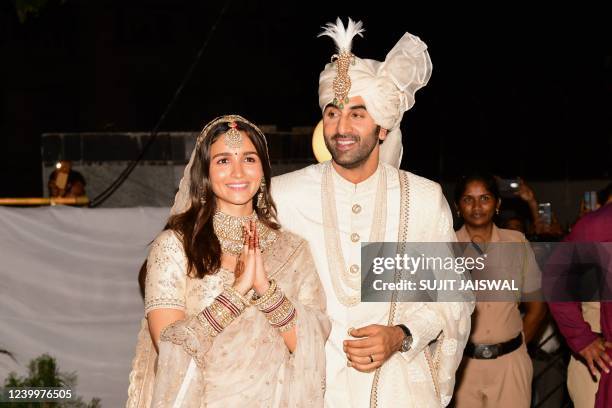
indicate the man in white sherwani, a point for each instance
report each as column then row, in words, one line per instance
column 378, row 354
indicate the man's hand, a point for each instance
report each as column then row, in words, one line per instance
column 375, row 345
column 596, row 353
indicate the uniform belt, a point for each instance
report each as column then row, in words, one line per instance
column 491, row 351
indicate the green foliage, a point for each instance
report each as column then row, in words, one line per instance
column 43, row 372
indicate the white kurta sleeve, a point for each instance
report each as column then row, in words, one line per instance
column 283, row 194
column 447, row 322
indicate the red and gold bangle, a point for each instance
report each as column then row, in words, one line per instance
column 279, row 311
column 259, row 300
column 282, row 316
column 221, row 313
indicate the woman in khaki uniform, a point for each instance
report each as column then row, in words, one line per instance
column 496, row 370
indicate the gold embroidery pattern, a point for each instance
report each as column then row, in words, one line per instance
column 342, row 81
column 211, row 321
column 338, row 270
column 165, row 282
column 402, row 236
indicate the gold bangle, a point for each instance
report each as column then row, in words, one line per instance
column 258, row 300
column 222, row 311
column 289, row 325
column 272, row 302
column 208, row 328
column 232, row 292
column 280, row 312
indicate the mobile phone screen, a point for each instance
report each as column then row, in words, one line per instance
column 545, row 212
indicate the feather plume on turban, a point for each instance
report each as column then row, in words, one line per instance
column 387, row 87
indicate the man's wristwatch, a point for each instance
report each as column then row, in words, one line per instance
column 407, row 342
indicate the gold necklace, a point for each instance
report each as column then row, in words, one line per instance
column 335, row 258
column 228, row 229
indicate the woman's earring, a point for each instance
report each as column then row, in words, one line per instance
column 458, row 214
column 497, row 211
column 261, row 197
column 203, row 200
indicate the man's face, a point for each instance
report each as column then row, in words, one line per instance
column 350, row 133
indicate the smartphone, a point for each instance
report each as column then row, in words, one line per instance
column 507, row 187
column 545, row 213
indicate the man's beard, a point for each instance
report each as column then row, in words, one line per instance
column 356, row 156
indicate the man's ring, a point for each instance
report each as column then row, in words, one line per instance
column 371, row 359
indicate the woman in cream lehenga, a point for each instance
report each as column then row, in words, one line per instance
column 235, row 312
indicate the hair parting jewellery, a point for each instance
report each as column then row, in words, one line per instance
column 231, row 121
column 233, row 137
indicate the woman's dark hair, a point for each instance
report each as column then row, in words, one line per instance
column 195, row 226
column 487, row 179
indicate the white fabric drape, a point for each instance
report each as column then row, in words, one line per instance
column 387, row 87
column 68, row 287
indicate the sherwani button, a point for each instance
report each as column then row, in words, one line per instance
column 355, row 237
column 354, row 269
column 356, row 208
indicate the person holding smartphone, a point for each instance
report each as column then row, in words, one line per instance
column 544, row 224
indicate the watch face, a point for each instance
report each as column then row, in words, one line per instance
column 406, row 343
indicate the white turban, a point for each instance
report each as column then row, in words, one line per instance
column 387, row 87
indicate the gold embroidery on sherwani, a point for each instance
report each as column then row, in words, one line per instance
column 402, row 235
column 338, row 270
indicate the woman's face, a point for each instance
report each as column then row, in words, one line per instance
column 235, row 174
column 477, row 205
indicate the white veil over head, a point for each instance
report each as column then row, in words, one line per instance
column 181, row 199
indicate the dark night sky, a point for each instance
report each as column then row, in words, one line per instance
column 514, row 90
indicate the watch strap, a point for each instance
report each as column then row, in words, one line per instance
column 405, row 329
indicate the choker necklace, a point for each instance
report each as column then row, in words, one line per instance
column 228, row 229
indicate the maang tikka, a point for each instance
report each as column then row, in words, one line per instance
column 233, row 137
